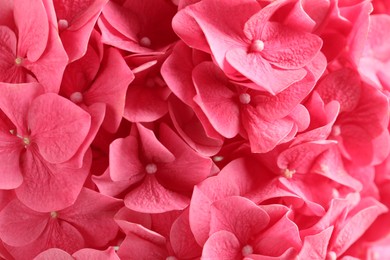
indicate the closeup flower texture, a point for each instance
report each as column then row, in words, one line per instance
column 194, row 129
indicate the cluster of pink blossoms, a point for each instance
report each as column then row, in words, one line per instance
column 194, row 129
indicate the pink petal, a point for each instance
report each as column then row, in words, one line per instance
column 20, row 225
column 216, row 99
column 113, row 95
column 260, row 71
column 264, row 135
column 288, row 49
column 222, row 245
column 58, row 127
column 153, row 150
column 95, row 220
column 43, row 186
column 75, row 37
column 15, row 100
column 54, row 253
column 124, row 161
column 88, row 253
column 182, row 240
column 151, row 197
column 238, row 215
column 33, row 27
column 188, row 169
column 285, row 232
column 222, row 32
column 8, row 41
column 315, row 246
column 50, row 66
column 134, row 247
column 357, row 225
column 342, row 85
column 190, row 128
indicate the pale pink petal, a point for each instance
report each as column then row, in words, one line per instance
column 89, row 253
column 315, row 246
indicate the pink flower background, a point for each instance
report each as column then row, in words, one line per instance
column 194, row 129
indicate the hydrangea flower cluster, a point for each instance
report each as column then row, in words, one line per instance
column 194, row 129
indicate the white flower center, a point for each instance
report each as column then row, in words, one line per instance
column 257, row 46
column 145, row 42
column 336, row 130
column 245, row 98
column 54, row 214
column 287, row 173
column 331, row 255
column 151, row 168
column 247, row 250
column 76, row 97
column 63, row 24
column 18, row 61
column 217, row 158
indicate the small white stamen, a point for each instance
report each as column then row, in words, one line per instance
column 26, row 141
column 335, row 193
column 217, row 158
column 18, row 61
column 257, row 46
column 245, row 98
column 151, row 168
column 336, row 130
column 116, row 248
column 54, row 214
column 145, row 41
column 12, row 131
column 76, row 97
column 63, row 24
column 331, row 256
column 287, row 173
column 247, row 250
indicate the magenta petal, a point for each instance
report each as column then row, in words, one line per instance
column 19, row 225
column 58, row 127
column 33, row 27
column 151, row 197
column 289, row 49
column 216, row 99
column 222, row 245
column 43, row 185
column 256, row 68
